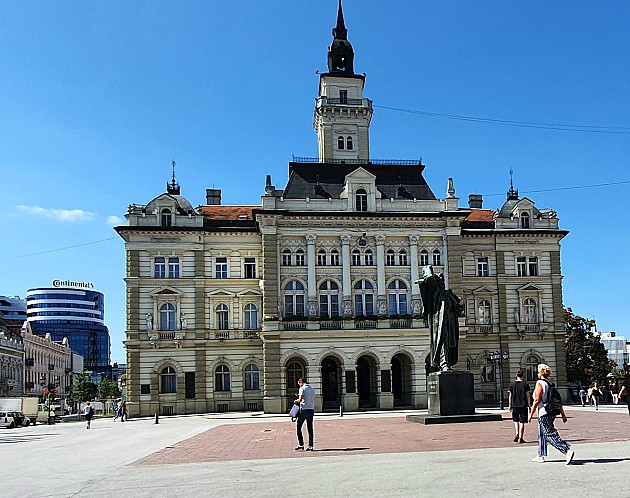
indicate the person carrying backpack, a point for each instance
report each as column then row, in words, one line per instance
column 88, row 411
column 548, row 404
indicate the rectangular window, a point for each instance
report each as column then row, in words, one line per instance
column 533, row 266
column 482, row 267
column 321, row 258
column 173, row 267
column 369, row 258
column 190, row 385
column 343, row 96
column 521, row 266
column 389, row 259
column 250, row 267
column 160, row 268
column 356, row 259
column 221, row 268
column 334, row 258
column 299, row 258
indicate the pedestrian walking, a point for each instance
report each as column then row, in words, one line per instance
column 115, row 408
column 625, row 389
column 519, row 401
column 583, row 396
column 596, row 392
column 547, row 433
column 123, row 411
column 306, row 401
column 88, row 411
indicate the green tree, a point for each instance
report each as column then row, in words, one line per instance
column 82, row 387
column 587, row 358
column 108, row 389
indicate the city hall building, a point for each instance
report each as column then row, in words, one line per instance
column 227, row 306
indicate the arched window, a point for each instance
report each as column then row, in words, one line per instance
column 424, row 257
column 524, row 220
column 531, row 368
column 167, row 317
column 340, row 143
column 390, row 259
column 222, row 317
column 328, row 299
column 321, row 257
column 294, row 299
column 295, row 370
column 168, row 380
column 286, row 257
column 356, row 258
column 349, row 144
column 334, row 257
column 363, row 298
column 167, row 218
column 530, row 311
column 484, row 312
column 437, row 258
column 299, row 258
column 252, row 377
column 361, row 200
column 251, row 317
column 222, row 378
column 369, row 257
column 402, row 258
column 397, row 293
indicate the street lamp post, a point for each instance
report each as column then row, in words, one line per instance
column 498, row 358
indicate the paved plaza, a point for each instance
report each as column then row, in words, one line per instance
column 359, row 454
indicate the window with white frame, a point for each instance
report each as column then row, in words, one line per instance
column 521, row 266
column 424, row 257
column 390, row 259
column 294, row 299
column 533, row 266
column 173, row 267
column 437, row 258
column 349, row 143
column 402, row 258
column 334, row 257
column 167, row 316
column 530, row 310
column 484, row 312
column 286, row 257
column 251, row 317
column 222, row 316
column 343, row 96
column 369, row 257
column 252, row 377
column 356, row 258
column 525, row 220
column 168, row 381
column 341, row 143
column 397, row 296
column 328, row 299
column 482, row 267
column 221, row 268
column 531, row 368
column 167, row 217
column 249, row 268
column 159, row 268
column 363, row 298
column 361, row 199
column 222, row 378
column 321, row 257
column 299, row 258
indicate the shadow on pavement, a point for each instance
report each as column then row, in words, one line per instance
column 600, row 460
column 343, row 449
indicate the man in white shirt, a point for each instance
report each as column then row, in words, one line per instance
column 306, row 400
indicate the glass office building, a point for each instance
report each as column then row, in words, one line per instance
column 75, row 313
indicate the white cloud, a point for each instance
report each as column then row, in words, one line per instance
column 113, row 220
column 59, row 214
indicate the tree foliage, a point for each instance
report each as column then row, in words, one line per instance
column 82, row 387
column 108, row 389
column 587, row 358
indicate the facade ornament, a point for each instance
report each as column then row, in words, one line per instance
column 382, row 307
column 517, row 316
column 414, row 239
column 183, row 322
column 544, row 314
column 345, row 239
column 416, row 306
column 149, row 319
column 312, row 308
column 347, row 308
column 310, row 239
column 380, row 239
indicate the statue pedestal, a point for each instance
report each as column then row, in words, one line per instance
column 452, row 400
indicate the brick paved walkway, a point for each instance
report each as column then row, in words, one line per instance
column 348, row 435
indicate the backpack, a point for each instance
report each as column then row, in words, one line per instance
column 553, row 404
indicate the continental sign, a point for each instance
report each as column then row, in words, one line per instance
column 70, row 283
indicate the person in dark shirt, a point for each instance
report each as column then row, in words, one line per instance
column 519, row 402
column 626, row 390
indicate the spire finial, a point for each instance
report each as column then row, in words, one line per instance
column 512, row 194
column 340, row 30
column 173, row 188
column 340, row 53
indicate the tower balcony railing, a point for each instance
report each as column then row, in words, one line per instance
column 338, row 101
column 382, row 162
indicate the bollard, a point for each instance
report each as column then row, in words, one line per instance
column 157, row 420
column 341, row 410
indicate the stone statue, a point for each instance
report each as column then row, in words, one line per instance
column 183, row 322
column 517, row 316
column 149, row 319
column 442, row 309
column 347, row 308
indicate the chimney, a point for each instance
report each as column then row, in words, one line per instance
column 475, row 201
column 213, row 196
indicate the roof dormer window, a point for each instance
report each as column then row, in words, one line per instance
column 525, row 220
column 167, row 217
column 361, row 200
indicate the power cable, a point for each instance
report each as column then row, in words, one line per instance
column 59, row 249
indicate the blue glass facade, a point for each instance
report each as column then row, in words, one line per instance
column 77, row 314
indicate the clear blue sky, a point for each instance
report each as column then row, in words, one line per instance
column 97, row 98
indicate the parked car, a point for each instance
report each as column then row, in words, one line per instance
column 20, row 419
column 6, row 420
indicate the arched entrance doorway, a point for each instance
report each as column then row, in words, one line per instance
column 294, row 369
column 331, row 383
column 401, row 380
column 366, row 381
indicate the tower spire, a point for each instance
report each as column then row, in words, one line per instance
column 340, row 30
column 340, row 53
column 173, row 187
column 512, row 194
